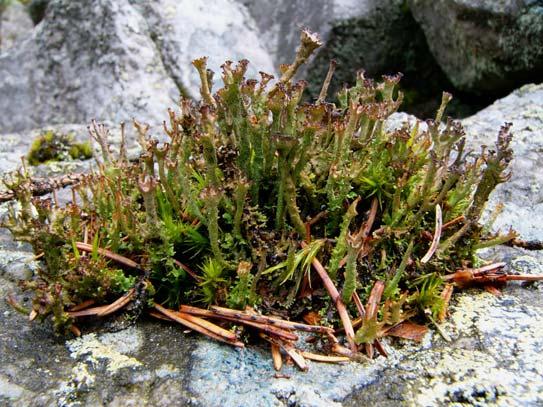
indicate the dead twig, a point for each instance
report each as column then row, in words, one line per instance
column 179, row 318
column 453, row 222
column 336, row 298
column 276, row 357
column 270, row 329
column 43, row 186
column 118, row 304
column 281, row 323
column 290, row 350
column 87, row 312
column 85, row 247
column 83, row 305
column 446, row 295
column 188, row 270
column 324, row 358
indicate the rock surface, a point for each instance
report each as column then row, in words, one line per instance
column 280, row 21
column 189, row 29
column 85, row 60
column 486, row 45
column 493, row 358
column 16, row 24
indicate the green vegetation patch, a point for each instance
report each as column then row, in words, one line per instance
column 272, row 216
column 54, row 146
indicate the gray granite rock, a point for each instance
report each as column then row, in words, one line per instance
column 484, row 45
column 375, row 35
column 220, row 29
column 382, row 38
column 85, row 60
column 15, row 25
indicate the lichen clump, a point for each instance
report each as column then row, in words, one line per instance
column 255, row 189
column 54, row 146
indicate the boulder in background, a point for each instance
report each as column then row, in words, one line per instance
column 485, row 45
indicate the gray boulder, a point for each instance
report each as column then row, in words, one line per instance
column 114, row 60
column 220, row 29
column 280, row 22
column 367, row 34
column 15, row 25
column 484, row 45
column 85, row 60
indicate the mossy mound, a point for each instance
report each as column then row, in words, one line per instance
column 261, row 200
column 53, row 146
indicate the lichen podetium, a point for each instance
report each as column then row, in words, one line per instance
column 269, row 205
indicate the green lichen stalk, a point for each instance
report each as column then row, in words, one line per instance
column 217, row 215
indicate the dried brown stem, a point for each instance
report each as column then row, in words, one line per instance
column 336, row 298
column 453, row 222
column 324, row 358
column 281, row 323
column 363, row 233
column 231, row 336
column 88, row 312
column 158, row 315
column 118, row 304
column 83, row 305
column 177, row 317
column 290, row 350
column 276, row 357
column 524, row 277
column 326, row 83
column 187, row 269
column 467, row 275
column 372, row 307
column 109, row 254
column 359, row 305
column 446, row 295
column 43, row 186
column 75, row 330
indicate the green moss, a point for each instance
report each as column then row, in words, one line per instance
column 53, row 146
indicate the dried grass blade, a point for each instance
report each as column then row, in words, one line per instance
column 88, row 312
column 437, row 236
column 83, row 305
column 117, row 304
